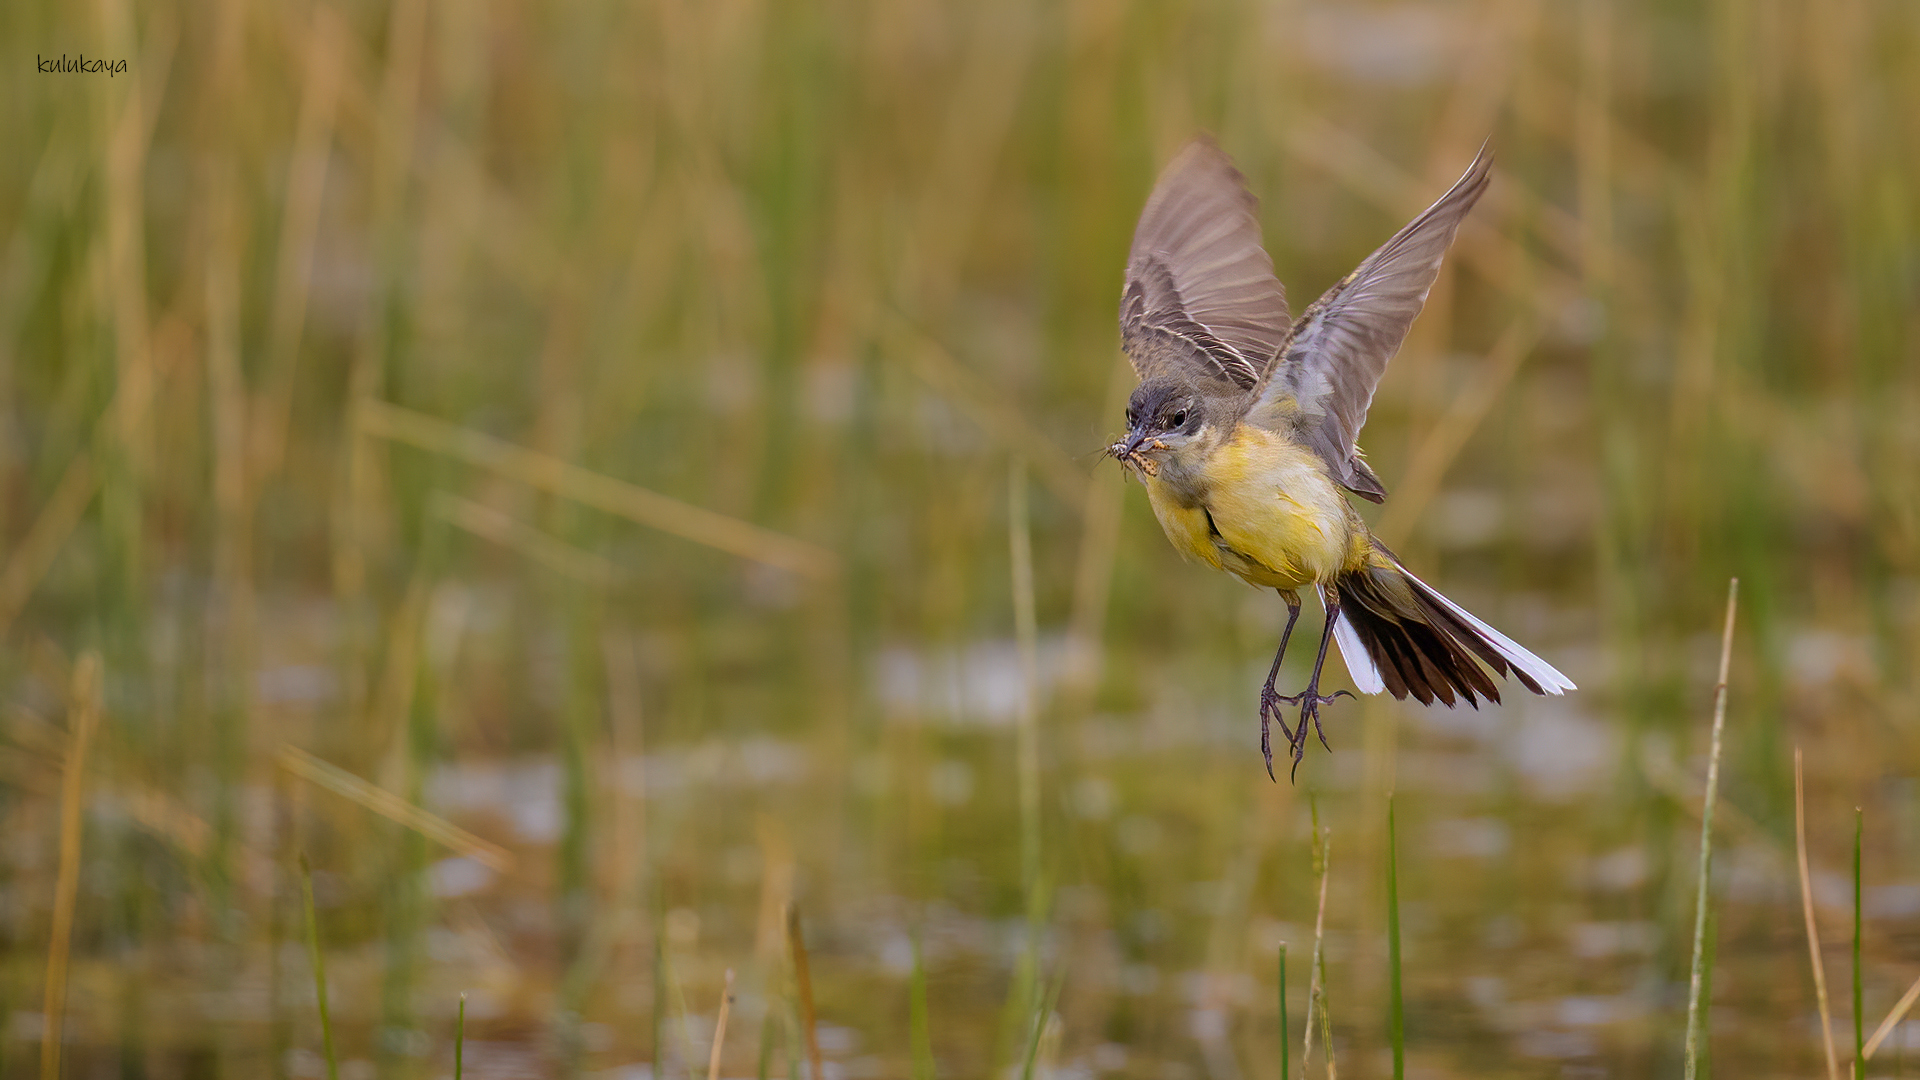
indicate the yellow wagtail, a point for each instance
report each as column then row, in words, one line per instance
column 1243, row 431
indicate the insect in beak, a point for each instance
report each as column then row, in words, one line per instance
column 1127, row 452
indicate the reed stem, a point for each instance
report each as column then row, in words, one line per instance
column 1396, row 1011
column 319, row 961
column 919, row 1031
column 1701, row 960
column 1020, row 549
column 803, row 983
column 1859, row 1003
column 1285, row 1045
column 720, row 1029
column 84, row 708
column 1038, row 1029
column 1317, row 974
column 1806, row 910
column 1894, row 1017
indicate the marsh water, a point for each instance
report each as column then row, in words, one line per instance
column 1545, row 859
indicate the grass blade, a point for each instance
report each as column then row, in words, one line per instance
column 919, row 1032
column 1285, row 1049
column 803, row 983
column 766, row 1044
column 1450, row 435
column 1859, row 1043
column 1706, row 988
column 33, row 555
column 85, row 709
column 659, row 983
column 602, row 492
column 677, row 992
column 1326, row 1018
column 394, row 808
column 1026, row 985
column 511, row 533
column 1806, row 909
column 1696, row 983
column 1020, row 552
column 792, row 1038
column 1317, row 973
column 460, row 1039
column 1396, row 1011
column 986, row 406
column 1886, row 1026
column 720, row 1029
column 1023, row 993
column 1039, row 1027
column 319, row 968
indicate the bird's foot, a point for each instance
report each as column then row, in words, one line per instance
column 1270, row 702
column 1309, row 700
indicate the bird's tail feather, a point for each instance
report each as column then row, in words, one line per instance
column 1398, row 634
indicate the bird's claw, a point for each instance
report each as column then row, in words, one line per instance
column 1303, row 696
column 1309, row 701
column 1270, row 703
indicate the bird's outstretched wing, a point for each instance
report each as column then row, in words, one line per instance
column 1200, row 291
column 1340, row 348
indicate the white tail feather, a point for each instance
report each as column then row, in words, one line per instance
column 1360, row 665
column 1545, row 674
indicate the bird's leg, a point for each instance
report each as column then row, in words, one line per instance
column 1270, row 700
column 1311, row 699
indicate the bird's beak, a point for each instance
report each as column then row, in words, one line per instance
column 1127, row 452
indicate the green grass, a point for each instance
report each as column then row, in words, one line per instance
column 1859, row 1000
column 1286, row 1030
column 764, row 1062
column 1699, row 986
column 657, row 1042
column 1396, row 1007
column 318, row 958
column 920, row 1027
column 1317, row 1008
column 1037, row 1026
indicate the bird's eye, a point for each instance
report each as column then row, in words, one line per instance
column 1180, row 418
column 1131, row 418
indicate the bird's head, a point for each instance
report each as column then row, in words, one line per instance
column 1165, row 416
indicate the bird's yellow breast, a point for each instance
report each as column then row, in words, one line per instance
column 1259, row 506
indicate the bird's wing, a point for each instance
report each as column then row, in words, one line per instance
column 1325, row 382
column 1200, row 290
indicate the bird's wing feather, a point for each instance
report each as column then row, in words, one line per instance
column 1200, row 291
column 1324, row 383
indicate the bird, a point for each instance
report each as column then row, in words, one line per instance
column 1244, row 430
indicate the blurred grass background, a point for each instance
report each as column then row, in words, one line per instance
column 621, row 432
